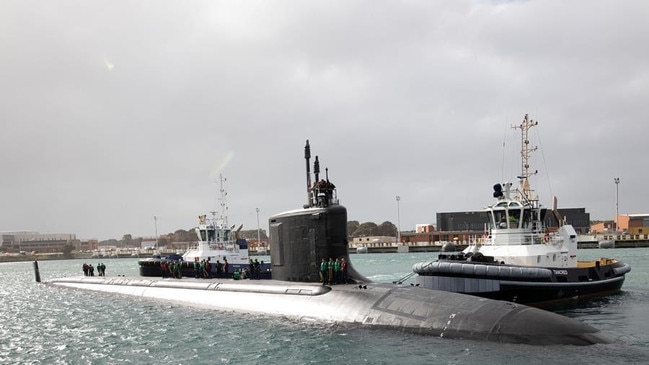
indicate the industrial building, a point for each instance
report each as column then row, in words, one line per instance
column 30, row 241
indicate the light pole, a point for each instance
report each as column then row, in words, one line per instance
column 617, row 206
column 258, row 234
column 155, row 222
column 398, row 221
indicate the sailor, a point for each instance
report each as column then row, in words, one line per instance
column 202, row 266
column 261, row 265
column 257, row 269
column 163, row 268
column 226, row 267
column 179, row 269
column 343, row 269
column 196, row 267
column 219, row 269
column 337, row 273
column 208, row 268
column 323, row 271
column 330, row 271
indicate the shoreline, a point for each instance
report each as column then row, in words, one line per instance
column 389, row 249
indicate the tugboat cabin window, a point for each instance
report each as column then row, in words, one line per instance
column 499, row 219
column 527, row 218
column 509, row 218
column 514, row 218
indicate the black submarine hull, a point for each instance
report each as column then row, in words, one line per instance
column 378, row 305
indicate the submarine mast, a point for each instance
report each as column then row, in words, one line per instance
column 307, row 157
column 300, row 239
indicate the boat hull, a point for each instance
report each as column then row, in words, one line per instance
column 606, row 244
column 539, row 287
column 152, row 268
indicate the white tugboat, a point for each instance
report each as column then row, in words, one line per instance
column 217, row 243
column 519, row 259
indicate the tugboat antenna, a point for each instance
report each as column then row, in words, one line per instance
column 222, row 201
column 526, row 150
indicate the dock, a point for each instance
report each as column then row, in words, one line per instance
column 585, row 242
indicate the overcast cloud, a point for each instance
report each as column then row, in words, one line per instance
column 113, row 112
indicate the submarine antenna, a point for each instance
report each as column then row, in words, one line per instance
column 307, row 157
column 316, row 169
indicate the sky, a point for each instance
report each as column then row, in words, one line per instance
column 116, row 112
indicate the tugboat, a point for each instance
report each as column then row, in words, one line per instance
column 519, row 259
column 217, row 244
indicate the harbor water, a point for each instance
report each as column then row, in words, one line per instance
column 43, row 324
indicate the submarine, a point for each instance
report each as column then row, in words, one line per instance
column 299, row 240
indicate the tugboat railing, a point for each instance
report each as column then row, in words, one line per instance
column 514, row 237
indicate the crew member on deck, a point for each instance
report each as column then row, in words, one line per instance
column 323, row 271
column 196, row 269
column 343, row 269
column 330, row 271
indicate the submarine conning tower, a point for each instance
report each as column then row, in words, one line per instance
column 300, row 239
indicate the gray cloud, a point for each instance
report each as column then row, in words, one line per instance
column 113, row 112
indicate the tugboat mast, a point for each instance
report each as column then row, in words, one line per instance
column 526, row 150
column 223, row 219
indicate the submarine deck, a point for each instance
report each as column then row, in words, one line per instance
column 406, row 308
column 215, row 284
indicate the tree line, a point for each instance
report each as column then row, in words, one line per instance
column 354, row 229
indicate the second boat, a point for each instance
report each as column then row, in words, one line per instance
column 520, row 258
